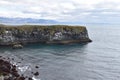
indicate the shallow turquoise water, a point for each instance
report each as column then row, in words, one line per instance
column 99, row 60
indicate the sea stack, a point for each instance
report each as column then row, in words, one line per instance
column 50, row 34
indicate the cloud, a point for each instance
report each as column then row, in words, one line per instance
column 62, row 10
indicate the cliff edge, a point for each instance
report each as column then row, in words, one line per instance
column 58, row 34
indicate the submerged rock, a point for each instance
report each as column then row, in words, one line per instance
column 36, row 73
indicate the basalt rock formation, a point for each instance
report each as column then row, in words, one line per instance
column 60, row 34
column 11, row 71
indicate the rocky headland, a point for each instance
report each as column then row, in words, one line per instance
column 50, row 34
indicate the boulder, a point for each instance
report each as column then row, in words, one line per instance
column 17, row 46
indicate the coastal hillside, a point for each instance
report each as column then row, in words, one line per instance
column 10, row 35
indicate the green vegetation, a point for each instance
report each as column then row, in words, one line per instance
column 50, row 28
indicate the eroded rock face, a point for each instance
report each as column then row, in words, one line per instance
column 27, row 34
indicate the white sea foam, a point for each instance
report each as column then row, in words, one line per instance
column 35, row 78
column 24, row 68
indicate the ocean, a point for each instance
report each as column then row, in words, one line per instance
column 98, row 60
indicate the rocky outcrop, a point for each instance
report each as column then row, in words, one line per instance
column 44, row 34
column 11, row 70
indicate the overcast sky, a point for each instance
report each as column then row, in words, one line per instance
column 63, row 10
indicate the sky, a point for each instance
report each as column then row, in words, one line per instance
column 89, row 11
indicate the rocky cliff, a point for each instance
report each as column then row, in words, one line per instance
column 62, row 34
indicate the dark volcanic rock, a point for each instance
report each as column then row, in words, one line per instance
column 36, row 66
column 36, row 73
column 60, row 34
column 9, row 71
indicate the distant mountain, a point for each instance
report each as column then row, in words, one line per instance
column 4, row 20
column 17, row 21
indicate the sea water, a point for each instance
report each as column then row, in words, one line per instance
column 99, row 60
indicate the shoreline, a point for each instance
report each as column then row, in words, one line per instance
column 11, row 71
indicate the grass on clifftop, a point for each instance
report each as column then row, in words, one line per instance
column 51, row 28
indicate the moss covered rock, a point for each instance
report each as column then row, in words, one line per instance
column 42, row 33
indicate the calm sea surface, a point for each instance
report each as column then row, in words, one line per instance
column 99, row 60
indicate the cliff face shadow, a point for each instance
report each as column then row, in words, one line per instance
column 59, row 50
column 66, row 50
column 46, row 49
